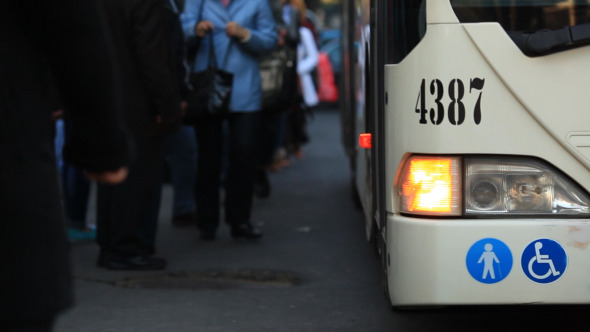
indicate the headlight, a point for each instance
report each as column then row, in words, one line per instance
column 516, row 186
column 431, row 185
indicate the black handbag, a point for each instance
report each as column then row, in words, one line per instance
column 211, row 91
column 278, row 73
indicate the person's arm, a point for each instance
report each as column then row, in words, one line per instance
column 190, row 17
column 179, row 47
column 310, row 61
column 263, row 39
column 74, row 36
column 108, row 177
column 153, row 47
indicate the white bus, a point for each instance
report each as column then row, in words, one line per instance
column 467, row 124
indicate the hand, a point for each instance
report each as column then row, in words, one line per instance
column 202, row 28
column 281, row 38
column 183, row 106
column 55, row 115
column 109, row 177
column 233, row 29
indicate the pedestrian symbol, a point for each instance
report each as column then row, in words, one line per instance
column 489, row 260
column 544, row 261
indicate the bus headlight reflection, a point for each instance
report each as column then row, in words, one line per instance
column 523, row 186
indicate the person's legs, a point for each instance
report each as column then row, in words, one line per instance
column 127, row 213
column 209, row 136
column 269, row 143
column 182, row 152
column 75, row 190
column 59, row 141
column 269, row 132
column 152, row 174
column 244, row 136
column 28, row 326
column 76, row 194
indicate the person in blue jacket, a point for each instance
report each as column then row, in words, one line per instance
column 242, row 31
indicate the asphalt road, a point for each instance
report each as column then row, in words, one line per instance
column 312, row 270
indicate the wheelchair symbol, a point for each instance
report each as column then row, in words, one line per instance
column 544, row 261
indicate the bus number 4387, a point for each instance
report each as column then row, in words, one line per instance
column 456, row 108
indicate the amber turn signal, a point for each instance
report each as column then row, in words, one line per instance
column 431, row 186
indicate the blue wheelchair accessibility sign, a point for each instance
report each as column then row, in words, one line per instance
column 489, row 260
column 544, row 261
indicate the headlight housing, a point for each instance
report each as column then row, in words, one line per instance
column 492, row 187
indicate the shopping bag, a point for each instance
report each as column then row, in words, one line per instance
column 327, row 89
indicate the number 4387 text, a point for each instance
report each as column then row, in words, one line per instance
column 455, row 110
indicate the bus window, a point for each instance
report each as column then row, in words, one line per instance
column 537, row 27
column 407, row 26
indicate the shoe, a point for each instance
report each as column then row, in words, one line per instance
column 81, row 235
column 184, row 219
column 207, row 235
column 279, row 160
column 139, row 262
column 245, row 231
column 285, row 162
column 261, row 184
column 298, row 153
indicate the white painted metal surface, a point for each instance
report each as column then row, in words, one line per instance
column 530, row 106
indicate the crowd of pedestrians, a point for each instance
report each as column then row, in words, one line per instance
column 96, row 91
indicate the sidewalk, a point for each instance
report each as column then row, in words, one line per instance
column 311, row 271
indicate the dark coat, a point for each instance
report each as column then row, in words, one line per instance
column 173, row 11
column 143, row 41
column 40, row 40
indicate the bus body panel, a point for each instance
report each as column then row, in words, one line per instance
column 538, row 84
column 428, row 261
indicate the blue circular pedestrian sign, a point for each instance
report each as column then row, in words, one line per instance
column 489, row 260
column 544, row 261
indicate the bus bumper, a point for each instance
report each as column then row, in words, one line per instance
column 491, row 261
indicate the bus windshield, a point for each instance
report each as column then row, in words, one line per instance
column 537, row 27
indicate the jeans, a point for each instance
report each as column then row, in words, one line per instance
column 75, row 186
column 181, row 152
column 76, row 189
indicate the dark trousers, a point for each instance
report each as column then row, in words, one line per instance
column 273, row 132
column 76, row 189
column 27, row 326
column 127, row 214
column 243, row 133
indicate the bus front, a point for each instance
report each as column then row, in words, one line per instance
column 487, row 154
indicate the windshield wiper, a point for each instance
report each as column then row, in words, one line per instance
column 550, row 41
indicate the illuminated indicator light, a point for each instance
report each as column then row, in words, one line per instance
column 365, row 141
column 429, row 186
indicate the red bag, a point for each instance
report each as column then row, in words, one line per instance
column 327, row 90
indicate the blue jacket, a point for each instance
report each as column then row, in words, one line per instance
column 239, row 58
